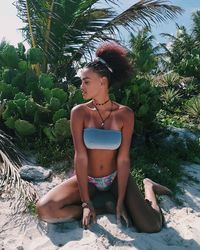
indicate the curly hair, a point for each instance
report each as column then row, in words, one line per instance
column 111, row 61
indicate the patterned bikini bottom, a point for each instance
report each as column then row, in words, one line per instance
column 102, row 183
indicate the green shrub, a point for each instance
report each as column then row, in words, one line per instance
column 192, row 107
column 144, row 99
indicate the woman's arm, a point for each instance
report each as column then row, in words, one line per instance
column 123, row 159
column 80, row 156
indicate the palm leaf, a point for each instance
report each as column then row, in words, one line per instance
column 10, row 181
column 67, row 30
column 143, row 12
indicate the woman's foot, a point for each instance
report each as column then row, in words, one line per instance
column 157, row 188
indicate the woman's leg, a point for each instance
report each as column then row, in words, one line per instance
column 62, row 203
column 144, row 211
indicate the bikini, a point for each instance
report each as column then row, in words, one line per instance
column 108, row 139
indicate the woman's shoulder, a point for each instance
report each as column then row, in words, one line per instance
column 126, row 115
column 123, row 108
column 80, row 107
column 81, row 110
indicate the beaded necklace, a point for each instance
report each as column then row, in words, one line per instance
column 103, row 120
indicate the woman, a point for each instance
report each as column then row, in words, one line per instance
column 102, row 132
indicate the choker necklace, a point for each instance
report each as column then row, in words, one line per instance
column 103, row 120
column 100, row 104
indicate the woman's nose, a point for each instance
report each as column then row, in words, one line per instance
column 82, row 86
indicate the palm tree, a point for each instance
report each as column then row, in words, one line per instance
column 196, row 26
column 143, row 55
column 68, row 30
column 183, row 54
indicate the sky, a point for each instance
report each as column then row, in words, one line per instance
column 10, row 23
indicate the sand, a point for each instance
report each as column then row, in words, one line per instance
column 182, row 230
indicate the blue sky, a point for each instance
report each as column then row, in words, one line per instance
column 10, row 23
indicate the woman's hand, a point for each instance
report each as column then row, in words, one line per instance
column 121, row 213
column 88, row 213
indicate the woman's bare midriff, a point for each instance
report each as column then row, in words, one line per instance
column 101, row 162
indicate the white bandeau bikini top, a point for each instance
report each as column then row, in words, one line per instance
column 95, row 138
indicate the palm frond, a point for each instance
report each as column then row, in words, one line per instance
column 10, row 181
column 143, row 12
column 172, row 37
column 76, row 27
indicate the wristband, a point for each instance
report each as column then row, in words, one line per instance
column 88, row 205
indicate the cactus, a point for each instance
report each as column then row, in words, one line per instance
column 30, row 107
column 60, row 94
column 54, row 104
column 20, row 95
column 45, row 81
column 20, row 103
column 35, row 55
column 75, row 97
column 49, row 134
column 61, row 113
column 11, row 110
column 24, row 128
column 62, row 129
column 10, row 56
column 47, row 94
column 7, row 91
column 10, row 122
column 22, row 66
column 19, row 81
column 8, row 75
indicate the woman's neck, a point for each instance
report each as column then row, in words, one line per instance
column 102, row 103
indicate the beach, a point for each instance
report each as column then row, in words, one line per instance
column 182, row 225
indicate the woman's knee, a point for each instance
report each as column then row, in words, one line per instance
column 45, row 208
column 152, row 227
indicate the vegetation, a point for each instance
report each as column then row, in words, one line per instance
column 10, row 181
column 68, row 37
column 39, row 87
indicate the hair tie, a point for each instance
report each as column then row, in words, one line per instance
column 99, row 59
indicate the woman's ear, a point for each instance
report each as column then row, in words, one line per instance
column 104, row 81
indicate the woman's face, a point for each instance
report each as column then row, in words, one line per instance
column 91, row 83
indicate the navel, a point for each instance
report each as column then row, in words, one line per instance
column 101, row 167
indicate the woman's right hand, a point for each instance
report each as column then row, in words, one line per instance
column 88, row 214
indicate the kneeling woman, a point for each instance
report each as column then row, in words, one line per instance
column 102, row 132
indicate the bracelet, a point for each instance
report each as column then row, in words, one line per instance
column 88, row 205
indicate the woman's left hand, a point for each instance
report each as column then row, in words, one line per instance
column 121, row 213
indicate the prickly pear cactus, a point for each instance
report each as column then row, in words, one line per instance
column 62, row 129
column 24, row 128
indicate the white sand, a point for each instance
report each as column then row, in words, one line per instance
column 182, row 229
